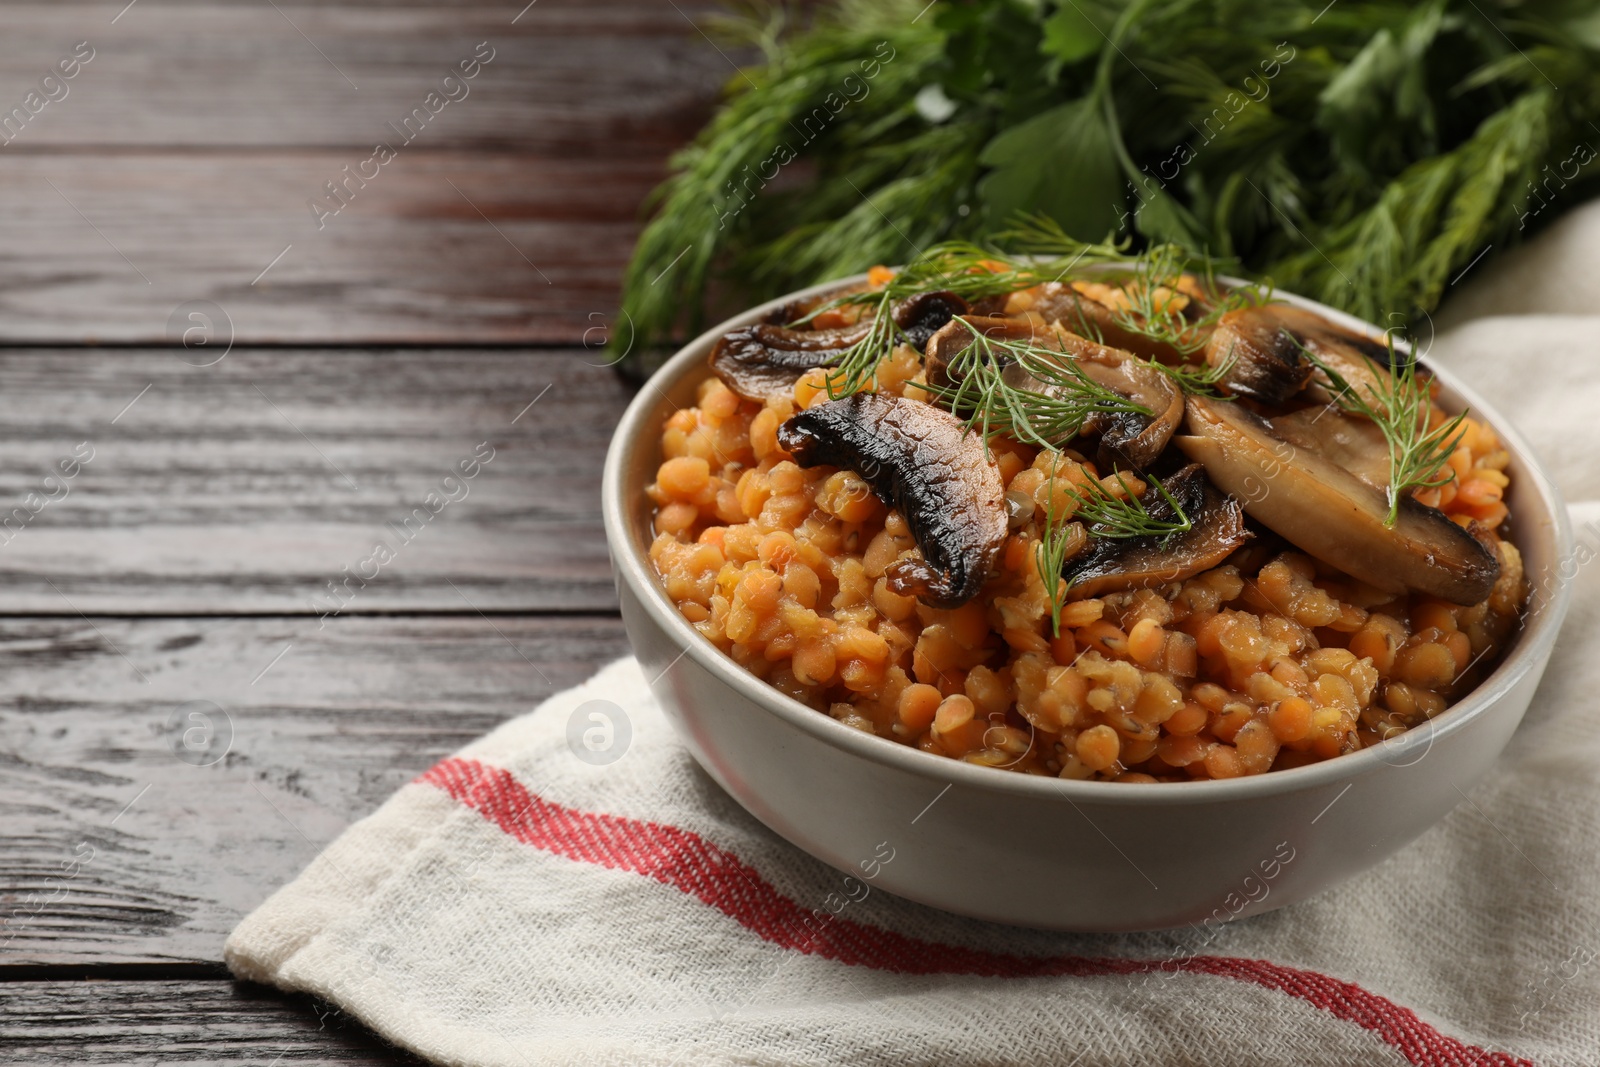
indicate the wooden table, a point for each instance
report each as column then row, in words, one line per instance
column 337, row 368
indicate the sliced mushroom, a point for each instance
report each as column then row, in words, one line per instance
column 1059, row 302
column 955, row 338
column 767, row 359
column 1217, row 528
column 1320, row 506
column 1359, row 360
column 1263, row 359
column 922, row 461
column 1127, row 439
column 923, row 315
column 1264, row 349
column 1354, row 443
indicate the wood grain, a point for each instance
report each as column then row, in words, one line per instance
column 247, row 486
column 176, row 571
column 125, row 1023
column 182, row 161
column 439, row 247
column 608, row 78
column 170, row 855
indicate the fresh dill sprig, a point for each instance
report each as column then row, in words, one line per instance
column 1127, row 516
column 860, row 361
column 1051, row 557
column 1045, row 417
column 1401, row 407
column 1109, row 516
column 1201, row 380
column 969, row 270
column 974, row 271
column 1035, row 250
column 1046, row 254
column 1156, row 305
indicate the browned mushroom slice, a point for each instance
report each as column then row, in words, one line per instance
column 1264, row 349
column 1112, row 565
column 766, row 360
column 1262, row 358
column 1059, row 302
column 921, row 316
column 1127, row 439
column 1320, row 506
column 922, row 461
column 1354, row 443
column 955, row 337
column 1360, row 360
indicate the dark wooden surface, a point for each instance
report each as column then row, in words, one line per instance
column 184, row 565
column 161, row 1019
column 246, row 486
column 350, row 713
column 180, row 163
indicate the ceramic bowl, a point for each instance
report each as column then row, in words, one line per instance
column 1044, row 852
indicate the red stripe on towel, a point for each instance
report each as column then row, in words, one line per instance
column 689, row 863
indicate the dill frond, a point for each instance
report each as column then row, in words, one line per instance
column 1050, row 557
column 1400, row 405
column 974, row 271
column 1156, row 306
column 712, row 207
column 1127, row 516
column 860, row 361
column 1431, row 220
column 992, row 406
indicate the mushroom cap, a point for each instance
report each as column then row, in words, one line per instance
column 1297, row 491
column 1262, row 357
column 921, row 460
column 1113, row 565
column 1129, row 439
column 767, row 359
column 764, row 360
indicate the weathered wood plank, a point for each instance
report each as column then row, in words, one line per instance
column 182, row 160
column 248, row 486
column 579, row 77
column 439, row 247
column 126, row 1023
column 115, row 850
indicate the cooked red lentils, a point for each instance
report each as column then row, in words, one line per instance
column 1270, row 660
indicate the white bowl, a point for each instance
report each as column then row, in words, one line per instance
column 1045, row 852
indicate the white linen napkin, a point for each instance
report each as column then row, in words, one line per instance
column 533, row 901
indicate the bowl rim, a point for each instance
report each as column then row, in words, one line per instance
column 1541, row 619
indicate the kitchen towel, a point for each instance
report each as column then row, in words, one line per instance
column 543, row 897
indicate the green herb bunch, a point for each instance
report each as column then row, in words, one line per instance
column 1361, row 152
